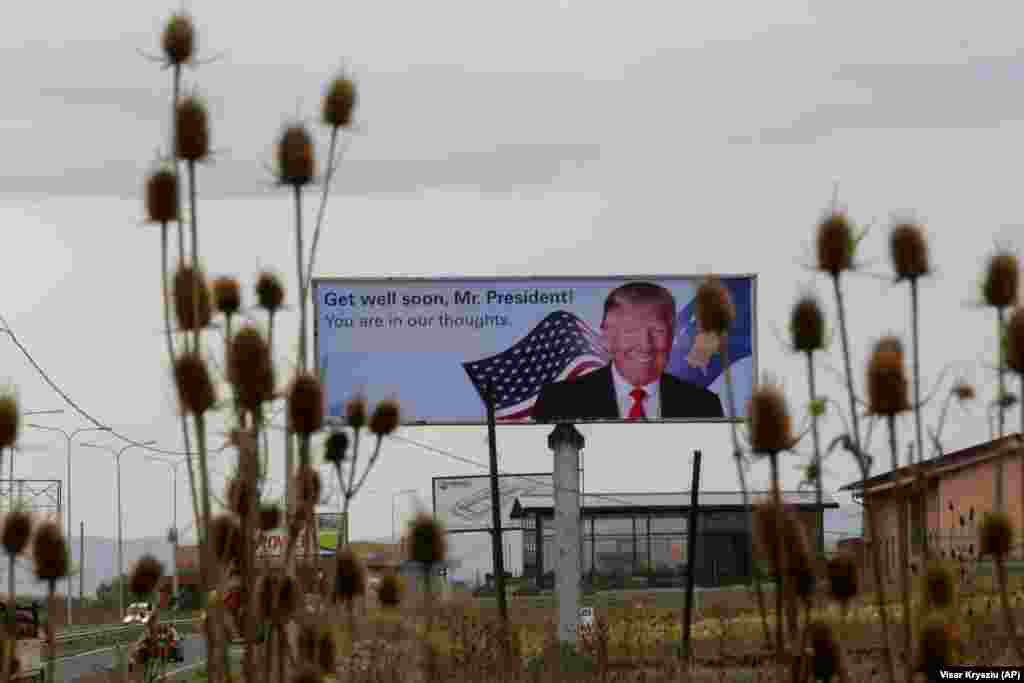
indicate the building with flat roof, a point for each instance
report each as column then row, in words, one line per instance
column 945, row 499
column 640, row 539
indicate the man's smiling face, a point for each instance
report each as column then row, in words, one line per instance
column 640, row 341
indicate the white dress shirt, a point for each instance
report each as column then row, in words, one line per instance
column 651, row 402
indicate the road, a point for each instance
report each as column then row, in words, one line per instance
column 76, row 666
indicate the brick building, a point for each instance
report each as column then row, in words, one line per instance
column 946, row 511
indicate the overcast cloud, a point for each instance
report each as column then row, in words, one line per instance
column 537, row 138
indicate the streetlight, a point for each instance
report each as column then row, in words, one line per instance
column 174, row 506
column 120, row 543
column 394, row 496
column 69, row 438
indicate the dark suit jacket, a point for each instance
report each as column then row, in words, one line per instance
column 592, row 397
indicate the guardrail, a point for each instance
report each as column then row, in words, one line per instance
column 110, row 633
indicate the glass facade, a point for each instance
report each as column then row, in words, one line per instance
column 646, row 549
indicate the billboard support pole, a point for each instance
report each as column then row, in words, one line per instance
column 567, row 442
column 496, row 535
column 691, row 551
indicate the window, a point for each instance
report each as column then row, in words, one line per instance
column 668, row 525
column 604, row 526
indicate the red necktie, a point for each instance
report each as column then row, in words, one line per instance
column 637, row 411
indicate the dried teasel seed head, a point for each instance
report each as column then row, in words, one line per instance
column 771, row 429
column 226, row 537
column 308, row 674
column 309, row 638
column 889, row 344
column 715, row 309
column 241, row 493
column 145, row 576
column 189, row 283
column 50, row 553
column 356, row 412
column 227, row 295
column 295, row 160
column 195, row 387
column 835, row 244
column 963, row 391
column 288, row 596
column 843, row 577
column 826, row 661
column 162, row 196
column 939, row 586
column 808, row 325
column 339, row 102
column 939, row 646
column 10, row 419
column 267, row 589
column 16, row 531
column 270, row 516
column 386, row 418
column 1015, row 341
column 769, row 520
column 250, row 368
column 269, row 292
column 1002, row 279
column 389, row 591
column 336, row 448
column 327, row 652
column 191, row 129
column 179, row 39
column 305, row 404
column 995, row 537
column 908, row 249
column 427, row 542
column 350, row 582
column 308, row 485
column 887, row 384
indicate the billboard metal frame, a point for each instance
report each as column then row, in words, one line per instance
column 317, row 281
column 507, row 475
column 43, row 496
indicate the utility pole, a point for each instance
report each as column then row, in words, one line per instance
column 68, row 439
column 120, row 526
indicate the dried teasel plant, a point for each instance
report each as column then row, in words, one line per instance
column 145, row 575
column 50, row 557
column 1000, row 290
column 179, row 39
column 836, row 245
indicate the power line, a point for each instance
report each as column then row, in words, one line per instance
column 81, row 411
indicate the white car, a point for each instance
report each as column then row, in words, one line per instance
column 138, row 613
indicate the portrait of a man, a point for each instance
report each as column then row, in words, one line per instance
column 638, row 324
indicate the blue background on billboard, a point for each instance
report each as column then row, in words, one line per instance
column 424, row 370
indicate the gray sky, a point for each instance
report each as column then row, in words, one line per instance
column 503, row 139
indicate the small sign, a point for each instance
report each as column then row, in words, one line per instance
column 587, row 616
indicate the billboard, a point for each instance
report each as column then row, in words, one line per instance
column 328, row 528
column 464, row 503
column 552, row 350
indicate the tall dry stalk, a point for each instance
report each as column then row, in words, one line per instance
column 716, row 314
column 771, row 433
column 999, row 291
column 836, row 246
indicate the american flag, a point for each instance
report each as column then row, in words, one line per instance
column 560, row 347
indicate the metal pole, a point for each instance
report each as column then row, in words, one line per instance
column 120, row 549
column 174, row 513
column 81, row 563
column 691, row 550
column 496, row 545
column 68, row 610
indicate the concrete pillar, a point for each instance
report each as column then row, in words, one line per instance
column 566, row 442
